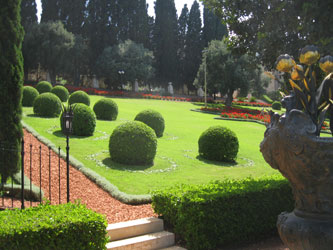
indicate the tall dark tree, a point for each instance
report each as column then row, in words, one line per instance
column 193, row 45
column 275, row 27
column 28, row 18
column 28, row 13
column 165, row 41
column 51, row 11
column 11, row 80
column 72, row 15
column 182, row 31
column 98, row 29
column 213, row 28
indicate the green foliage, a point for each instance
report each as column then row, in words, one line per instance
column 223, row 212
column 213, row 28
column 276, row 105
column 79, row 97
column 267, row 99
column 225, row 72
column 219, row 144
column 153, row 119
column 67, row 226
column 106, row 109
column 132, row 58
column 44, row 87
column 11, row 75
column 133, row 143
column 29, row 96
column 84, row 120
column 61, row 92
column 253, row 99
column 47, row 105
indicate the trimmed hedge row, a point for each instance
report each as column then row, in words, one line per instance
column 223, row 212
column 67, row 226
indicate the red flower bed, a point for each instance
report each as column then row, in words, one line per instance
column 253, row 104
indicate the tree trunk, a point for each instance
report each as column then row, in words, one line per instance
column 229, row 97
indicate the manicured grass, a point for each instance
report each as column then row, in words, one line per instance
column 177, row 151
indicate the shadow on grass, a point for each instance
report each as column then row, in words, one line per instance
column 118, row 166
column 59, row 134
column 217, row 163
column 39, row 116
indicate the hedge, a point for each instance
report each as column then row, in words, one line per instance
column 222, row 212
column 66, row 226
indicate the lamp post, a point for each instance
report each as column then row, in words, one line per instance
column 121, row 73
column 67, row 119
column 205, row 69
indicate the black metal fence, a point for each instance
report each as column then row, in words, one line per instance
column 44, row 177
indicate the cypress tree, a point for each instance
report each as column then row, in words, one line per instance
column 28, row 13
column 213, row 28
column 51, row 10
column 72, row 15
column 165, row 41
column 182, row 31
column 193, row 45
column 11, row 79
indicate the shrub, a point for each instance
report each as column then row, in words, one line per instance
column 47, row 105
column 67, row 226
column 61, row 92
column 133, row 143
column 153, row 119
column 253, row 99
column 276, row 105
column 219, row 144
column 219, row 213
column 29, row 96
column 79, row 97
column 106, row 109
column 84, row 120
column 267, row 99
column 44, row 87
column 274, row 95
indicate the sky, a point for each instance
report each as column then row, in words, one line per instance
column 179, row 6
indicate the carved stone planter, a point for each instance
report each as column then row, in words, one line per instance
column 306, row 160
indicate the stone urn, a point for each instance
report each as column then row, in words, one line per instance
column 291, row 145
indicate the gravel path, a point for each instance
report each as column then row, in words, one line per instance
column 80, row 186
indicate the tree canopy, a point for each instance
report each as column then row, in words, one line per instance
column 268, row 28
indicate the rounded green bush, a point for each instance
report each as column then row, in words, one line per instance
column 84, row 120
column 44, row 87
column 61, row 92
column 29, row 96
column 276, row 105
column 153, row 119
column 79, row 97
column 106, row 109
column 47, row 105
column 218, row 143
column 133, row 143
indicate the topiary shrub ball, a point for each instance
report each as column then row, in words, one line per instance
column 84, row 120
column 61, row 92
column 47, row 105
column 133, row 143
column 276, row 105
column 153, row 119
column 106, row 109
column 79, row 97
column 44, row 87
column 29, row 95
column 218, row 143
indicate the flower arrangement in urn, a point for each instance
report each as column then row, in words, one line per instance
column 292, row 144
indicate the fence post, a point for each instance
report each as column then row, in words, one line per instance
column 67, row 163
column 22, row 174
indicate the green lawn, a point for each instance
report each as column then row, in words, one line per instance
column 176, row 160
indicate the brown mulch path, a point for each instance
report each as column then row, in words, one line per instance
column 81, row 188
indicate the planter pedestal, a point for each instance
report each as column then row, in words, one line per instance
column 306, row 160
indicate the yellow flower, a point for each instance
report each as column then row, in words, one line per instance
column 284, row 63
column 294, row 74
column 326, row 64
column 309, row 55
